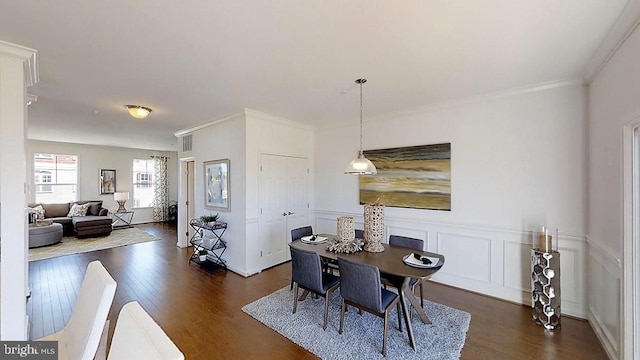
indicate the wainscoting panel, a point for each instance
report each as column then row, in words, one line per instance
column 490, row 261
column 466, row 257
column 605, row 301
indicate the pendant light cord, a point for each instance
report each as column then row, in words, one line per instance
column 360, row 154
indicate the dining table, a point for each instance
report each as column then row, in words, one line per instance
column 390, row 261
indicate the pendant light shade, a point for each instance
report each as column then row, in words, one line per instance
column 361, row 165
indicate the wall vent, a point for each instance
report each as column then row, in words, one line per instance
column 187, row 143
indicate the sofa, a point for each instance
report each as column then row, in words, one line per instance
column 96, row 222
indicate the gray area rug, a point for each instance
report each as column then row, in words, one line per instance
column 362, row 335
column 73, row 245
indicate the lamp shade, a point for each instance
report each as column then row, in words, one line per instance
column 137, row 111
column 121, row 196
column 361, row 166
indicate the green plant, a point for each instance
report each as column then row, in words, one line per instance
column 202, row 252
column 209, row 218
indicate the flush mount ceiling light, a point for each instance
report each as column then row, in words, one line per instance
column 137, row 111
column 361, row 165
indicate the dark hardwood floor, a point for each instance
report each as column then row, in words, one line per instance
column 201, row 310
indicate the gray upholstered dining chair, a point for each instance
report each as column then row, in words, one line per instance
column 411, row 243
column 360, row 287
column 307, row 274
column 359, row 234
column 297, row 234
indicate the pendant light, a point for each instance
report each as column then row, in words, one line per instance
column 361, row 165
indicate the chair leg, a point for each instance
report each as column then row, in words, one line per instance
column 295, row 298
column 398, row 310
column 384, row 333
column 326, row 309
column 291, row 287
column 421, row 295
column 342, row 308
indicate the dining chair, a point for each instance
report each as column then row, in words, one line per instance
column 359, row 234
column 411, row 243
column 297, row 234
column 307, row 274
column 360, row 287
column 80, row 337
column 138, row 336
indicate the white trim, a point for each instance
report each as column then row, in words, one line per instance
column 626, row 24
column 245, row 112
column 556, row 84
column 630, row 307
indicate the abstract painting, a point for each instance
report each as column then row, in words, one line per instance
column 416, row 177
column 216, row 185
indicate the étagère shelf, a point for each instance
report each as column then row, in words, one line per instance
column 208, row 237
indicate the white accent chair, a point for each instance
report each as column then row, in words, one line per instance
column 138, row 336
column 80, row 337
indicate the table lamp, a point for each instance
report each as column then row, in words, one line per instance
column 121, row 198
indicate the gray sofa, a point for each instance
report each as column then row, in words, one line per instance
column 95, row 223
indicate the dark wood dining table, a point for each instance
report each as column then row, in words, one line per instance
column 388, row 262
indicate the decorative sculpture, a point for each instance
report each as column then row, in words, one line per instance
column 373, row 227
column 345, row 240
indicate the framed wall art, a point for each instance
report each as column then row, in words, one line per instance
column 216, row 185
column 107, row 181
column 416, row 177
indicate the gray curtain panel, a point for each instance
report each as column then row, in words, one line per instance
column 161, row 196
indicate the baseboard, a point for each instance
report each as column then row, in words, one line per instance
column 607, row 341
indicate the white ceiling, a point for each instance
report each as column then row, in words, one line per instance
column 193, row 61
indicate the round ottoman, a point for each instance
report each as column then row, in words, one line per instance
column 45, row 235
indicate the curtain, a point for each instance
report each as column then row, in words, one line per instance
column 161, row 195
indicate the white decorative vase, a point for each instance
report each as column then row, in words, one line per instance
column 373, row 227
column 346, row 232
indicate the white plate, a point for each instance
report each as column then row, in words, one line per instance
column 318, row 239
column 412, row 261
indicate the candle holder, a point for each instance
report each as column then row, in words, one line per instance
column 373, row 227
column 545, row 278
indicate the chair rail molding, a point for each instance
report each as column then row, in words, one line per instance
column 491, row 261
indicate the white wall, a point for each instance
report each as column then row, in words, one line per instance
column 268, row 134
column 223, row 140
column 517, row 162
column 92, row 158
column 614, row 100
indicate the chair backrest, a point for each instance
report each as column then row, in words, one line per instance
column 300, row 232
column 306, row 269
column 359, row 234
column 84, row 329
column 412, row 243
column 138, row 336
column 360, row 283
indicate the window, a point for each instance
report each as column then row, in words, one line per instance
column 55, row 178
column 143, row 183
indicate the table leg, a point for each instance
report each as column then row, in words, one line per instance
column 405, row 310
column 414, row 301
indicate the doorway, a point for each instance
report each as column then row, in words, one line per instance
column 186, row 200
column 631, row 242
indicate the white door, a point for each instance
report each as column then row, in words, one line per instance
column 297, row 199
column 283, row 204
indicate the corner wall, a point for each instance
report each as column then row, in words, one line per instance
column 614, row 101
column 517, row 161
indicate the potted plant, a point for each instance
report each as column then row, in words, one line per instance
column 209, row 219
column 202, row 254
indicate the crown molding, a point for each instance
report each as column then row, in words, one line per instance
column 481, row 98
column 26, row 55
column 627, row 23
column 246, row 113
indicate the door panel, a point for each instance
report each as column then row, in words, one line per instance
column 283, row 203
column 273, row 206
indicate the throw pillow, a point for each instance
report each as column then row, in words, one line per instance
column 78, row 210
column 39, row 211
column 94, row 208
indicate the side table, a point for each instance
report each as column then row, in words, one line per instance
column 124, row 217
